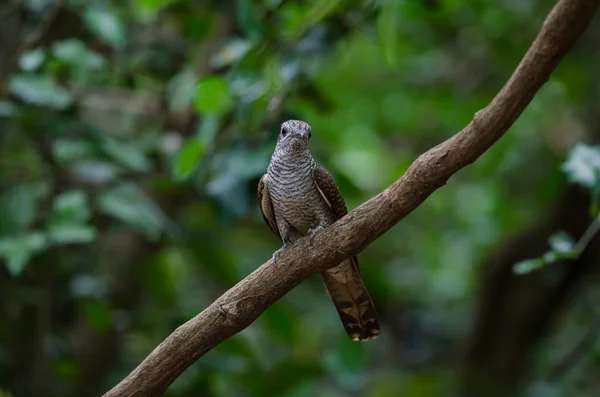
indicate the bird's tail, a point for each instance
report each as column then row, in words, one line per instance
column 345, row 285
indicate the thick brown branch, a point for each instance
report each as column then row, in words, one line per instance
column 242, row 304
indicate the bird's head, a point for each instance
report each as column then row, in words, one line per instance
column 294, row 136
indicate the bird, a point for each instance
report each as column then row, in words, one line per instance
column 298, row 197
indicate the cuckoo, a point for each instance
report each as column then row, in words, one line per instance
column 298, row 197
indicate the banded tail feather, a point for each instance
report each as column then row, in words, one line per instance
column 352, row 301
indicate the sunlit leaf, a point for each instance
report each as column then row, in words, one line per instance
column 40, row 90
column 147, row 9
column 32, row 60
column 72, row 205
column 127, row 154
column 19, row 206
column 17, row 251
column 67, row 150
column 180, row 90
column 107, row 25
column 188, row 158
column 212, row 96
column 583, row 165
column 561, row 242
column 529, row 265
column 97, row 172
column 562, row 246
column 71, row 233
column 75, row 53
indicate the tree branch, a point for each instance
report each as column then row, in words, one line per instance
column 242, row 304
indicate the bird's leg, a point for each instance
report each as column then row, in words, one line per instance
column 312, row 232
column 276, row 253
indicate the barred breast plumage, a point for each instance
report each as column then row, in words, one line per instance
column 297, row 197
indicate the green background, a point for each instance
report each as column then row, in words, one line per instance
column 132, row 138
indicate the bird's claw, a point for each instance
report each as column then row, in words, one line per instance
column 312, row 233
column 276, row 253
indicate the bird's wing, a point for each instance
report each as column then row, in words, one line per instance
column 330, row 191
column 266, row 206
column 344, row 282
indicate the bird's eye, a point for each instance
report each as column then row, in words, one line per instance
column 309, row 135
column 283, row 131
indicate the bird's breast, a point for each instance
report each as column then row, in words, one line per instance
column 295, row 196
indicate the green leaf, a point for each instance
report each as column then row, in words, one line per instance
column 72, row 206
column 17, row 251
column 562, row 246
column 562, row 243
column 528, row 265
column 19, row 206
column 130, row 205
column 212, row 96
column 40, row 90
column 147, row 9
column 127, row 154
column 75, row 53
column 180, row 90
column 71, row 233
column 106, row 25
column 188, row 158
column 32, row 60
column 583, row 165
column 97, row 172
column 66, row 150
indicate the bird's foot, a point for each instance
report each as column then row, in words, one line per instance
column 276, row 253
column 313, row 232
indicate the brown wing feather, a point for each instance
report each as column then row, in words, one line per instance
column 330, row 191
column 344, row 282
column 266, row 206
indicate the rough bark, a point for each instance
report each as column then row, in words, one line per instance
column 242, row 304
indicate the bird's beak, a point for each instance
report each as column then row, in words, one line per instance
column 304, row 135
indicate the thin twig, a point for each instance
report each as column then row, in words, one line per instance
column 587, row 236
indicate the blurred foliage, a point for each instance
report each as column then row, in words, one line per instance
column 132, row 140
column 583, row 168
